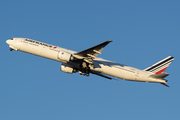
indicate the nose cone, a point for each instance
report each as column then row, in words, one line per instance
column 8, row 42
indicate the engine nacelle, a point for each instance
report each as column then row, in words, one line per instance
column 67, row 69
column 65, row 56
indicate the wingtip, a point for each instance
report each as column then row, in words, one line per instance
column 109, row 41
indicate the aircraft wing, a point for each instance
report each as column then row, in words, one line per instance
column 89, row 54
column 100, row 74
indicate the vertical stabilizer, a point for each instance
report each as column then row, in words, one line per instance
column 160, row 66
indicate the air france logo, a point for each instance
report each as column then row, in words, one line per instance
column 40, row 43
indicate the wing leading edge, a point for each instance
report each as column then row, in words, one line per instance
column 89, row 54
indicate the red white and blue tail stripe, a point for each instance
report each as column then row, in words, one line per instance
column 160, row 66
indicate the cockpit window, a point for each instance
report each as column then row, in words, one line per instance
column 11, row 38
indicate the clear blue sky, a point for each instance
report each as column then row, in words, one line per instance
column 144, row 32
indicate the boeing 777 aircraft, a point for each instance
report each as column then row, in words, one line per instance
column 86, row 61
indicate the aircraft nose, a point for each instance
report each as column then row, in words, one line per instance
column 8, row 42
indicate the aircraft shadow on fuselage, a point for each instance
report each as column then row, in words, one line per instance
column 97, row 64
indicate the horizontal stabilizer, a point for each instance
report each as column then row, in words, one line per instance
column 165, row 84
column 159, row 76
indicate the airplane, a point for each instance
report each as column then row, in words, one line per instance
column 86, row 61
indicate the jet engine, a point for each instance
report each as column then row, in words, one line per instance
column 65, row 56
column 67, row 69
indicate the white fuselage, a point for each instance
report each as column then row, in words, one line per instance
column 100, row 65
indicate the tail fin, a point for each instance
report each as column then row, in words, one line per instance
column 160, row 66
